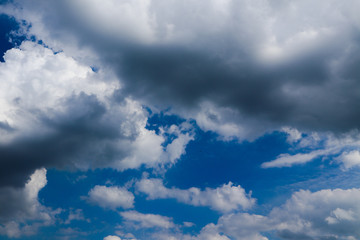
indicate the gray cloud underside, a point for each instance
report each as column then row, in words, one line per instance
column 79, row 136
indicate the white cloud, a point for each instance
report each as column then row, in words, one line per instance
column 188, row 224
column 110, row 237
column 339, row 215
column 35, row 79
column 226, row 198
column 111, row 197
column 77, row 215
column 226, row 122
column 320, row 214
column 350, row 159
column 325, row 214
column 148, row 148
column 242, row 226
column 140, row 220
column 326, row 145
column 293, row 134
column 210, row 232
column 176, row 148
column 287, row 160
column 21, row 211
column 51, row 99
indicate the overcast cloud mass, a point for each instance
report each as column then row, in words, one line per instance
column 193, row 120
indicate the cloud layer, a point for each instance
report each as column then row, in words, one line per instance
column 265, row 60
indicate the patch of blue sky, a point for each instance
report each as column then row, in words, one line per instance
column 7, row 25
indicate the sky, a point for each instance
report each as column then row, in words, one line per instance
column 179, row 120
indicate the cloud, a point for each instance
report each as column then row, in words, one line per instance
column 242, row 226
column 209, row 232
column 293, row 135
column 280, row 74
column 226, row 198
column 112, row 238
column 239, row 68
column 21, row 211
column 77, row 215
column 325, row 214
column 140, row 220
column 328, row 145
column 287, row 160
column 57, row 112
column 350, row 159
column 111, row 197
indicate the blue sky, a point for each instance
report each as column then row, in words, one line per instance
column 195, row 120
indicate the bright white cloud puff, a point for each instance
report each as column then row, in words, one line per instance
column 226, row 198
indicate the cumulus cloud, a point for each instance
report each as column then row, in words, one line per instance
column 139, row 220
column 110, row 237
column 226, row 198
column 57, row 112
column 111, row 197
column 326, row 213
column 209, row 232
column 21, row 211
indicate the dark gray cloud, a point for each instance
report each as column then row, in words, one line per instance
column 78, row 136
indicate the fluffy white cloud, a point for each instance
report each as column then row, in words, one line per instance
column 139, row 220
column 110, row 237
column 36, row 80
column 209, row 232
column 227, row 122
column 226, row 198
column 242, row 226
column 111, row 197
column 148, row 148
column 56, row 111
column 21, row 211
column 326, row 213
column 350, row 159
